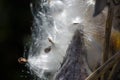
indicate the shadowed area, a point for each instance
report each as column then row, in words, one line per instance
column 15, row 22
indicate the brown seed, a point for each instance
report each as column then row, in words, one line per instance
column 50, row 41
column 48, row 49
column 75, row 23
column 22, row 60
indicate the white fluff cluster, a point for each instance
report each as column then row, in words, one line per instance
column 67, row 16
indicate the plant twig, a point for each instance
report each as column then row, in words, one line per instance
column 105, row 67
column 107, row 34
column 107, row 37
column 114, row 70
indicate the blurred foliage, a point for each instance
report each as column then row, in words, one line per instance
column 15, row 24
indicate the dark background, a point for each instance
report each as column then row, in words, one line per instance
column 15, row 25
